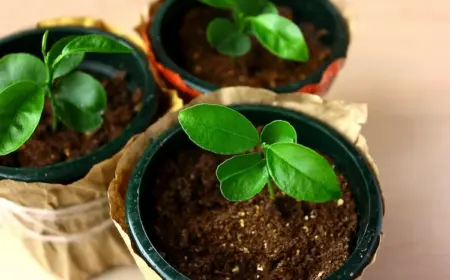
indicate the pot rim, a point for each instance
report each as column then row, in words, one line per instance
column 58, row 171
column 339, row 50
column 362, row 254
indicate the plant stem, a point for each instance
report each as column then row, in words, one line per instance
column 50, row 95
column 271, row 191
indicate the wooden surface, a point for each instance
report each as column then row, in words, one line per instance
column 399, row 64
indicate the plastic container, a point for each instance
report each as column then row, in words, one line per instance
column 315, row 134
column 138, row 76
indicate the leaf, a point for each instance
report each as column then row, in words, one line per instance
column 280, row 36
column 245, row 183
column 80, row 101
column 44, row 42
column 67, row 63
column 21, row 106
column 278, row 131
column 95, row 43
column 21, row 67
column 218, row 129
column 251, row 7
column 221, row 4
column 76, row 119
column 302, row 173
column 236, row 164
column 270, row 8
column 225, row 36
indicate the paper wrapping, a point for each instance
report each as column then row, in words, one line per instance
column 67, row 229
column 170, row 81
column 347, row 118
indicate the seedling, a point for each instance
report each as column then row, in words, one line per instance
column 259, row 18
column 77, row 99
column 298, row 171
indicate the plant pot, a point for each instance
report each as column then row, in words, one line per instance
column 164, row 41
column 348, row 159
column 106, row 66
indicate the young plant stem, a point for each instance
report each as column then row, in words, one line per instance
column 271, row 190
column 50, row 95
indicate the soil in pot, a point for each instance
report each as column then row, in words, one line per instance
column 46, row 147
column 258, row 68
column 204, row 236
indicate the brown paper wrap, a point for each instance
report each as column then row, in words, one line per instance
column 67, row 228
column 172, row 83
column 347, row 118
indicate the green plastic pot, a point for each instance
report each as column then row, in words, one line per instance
column 348, row 160
column 138, row 76
column 166, row 23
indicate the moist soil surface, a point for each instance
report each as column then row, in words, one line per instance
column 206, row 237
column 46, row 147
column 258, row 68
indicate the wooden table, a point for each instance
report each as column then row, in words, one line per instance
column 398, row 64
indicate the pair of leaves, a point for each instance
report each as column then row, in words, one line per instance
column 24, row 81
column 79, row 98
column 277, row 34
column 297, row 170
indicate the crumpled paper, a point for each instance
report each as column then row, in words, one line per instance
column 347, row 118
column 67, row 228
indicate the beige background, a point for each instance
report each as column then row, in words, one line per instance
column 399, row 64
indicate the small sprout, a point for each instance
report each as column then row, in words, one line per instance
column 235, row 269
column 340, row 202
column 313, row 214
column 258, row 18
column 242, row 214
column 298, row 171
column 77, row 99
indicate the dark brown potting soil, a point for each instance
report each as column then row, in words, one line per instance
column 207, row 237
column 258, row 68
column 46, row 147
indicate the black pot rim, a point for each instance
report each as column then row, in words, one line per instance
column 339, row 50
column 54, row 172
column 359, row 259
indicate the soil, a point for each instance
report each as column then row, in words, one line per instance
column 206, row 237
column 46, row 147
column 258, row 68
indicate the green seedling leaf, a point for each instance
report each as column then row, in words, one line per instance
column 226, row 37
column 278, row 132
column 302, row 173
column 251, row 7
column 21, row 106
column 218, row 129
column 236, row 164
column 93, row 43
column 270, row 8
column 80, row 101
column 21, row 67
column 67, row 63
column 44, row 43
column 221, row 4
column 245, row 183
column 280, row 36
